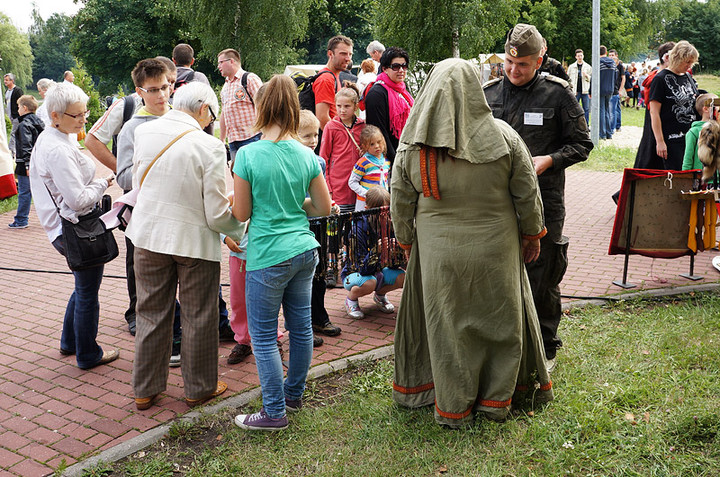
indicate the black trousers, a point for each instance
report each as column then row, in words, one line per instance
column 130, row 273
column 317, row 302
column 545, row 275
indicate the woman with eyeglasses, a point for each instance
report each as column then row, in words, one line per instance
column 62, row 177
column 388, row 103
column 181, row 209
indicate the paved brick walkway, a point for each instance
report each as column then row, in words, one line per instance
column 50, row 411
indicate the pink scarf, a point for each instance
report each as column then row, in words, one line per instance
column 399, row 103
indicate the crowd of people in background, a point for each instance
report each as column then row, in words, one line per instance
column 360, row 145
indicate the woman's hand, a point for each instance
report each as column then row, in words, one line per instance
column 531, row 250
column 661, row 149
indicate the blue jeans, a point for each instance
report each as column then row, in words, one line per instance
column 24, row 199
column 80, row 325
column 288, row 283
column 236, row 145
column 605, row 118
column 616, row 118
column 585, row 99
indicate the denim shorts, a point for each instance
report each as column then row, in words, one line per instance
column 387, row 277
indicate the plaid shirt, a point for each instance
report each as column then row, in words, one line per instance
column 238, row 111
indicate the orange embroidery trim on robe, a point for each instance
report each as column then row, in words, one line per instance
column 453, row 415
column 428, row 172
column 491, row 403
column 536, row 237
column 415, row 390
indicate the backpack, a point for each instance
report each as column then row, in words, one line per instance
column 128, row 110
column 243, row 82
column 363, row 95
column 187, row 79
column 304, row 83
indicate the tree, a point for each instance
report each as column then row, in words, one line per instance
column 50, row 43
column 629, row 26
column 431, row 31
column 16, row 53
column 110, row 37
column 84, row 82
column 327, row 18
column 265, row 32
column 699, row 23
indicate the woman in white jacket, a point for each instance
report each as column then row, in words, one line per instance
column 181, row 210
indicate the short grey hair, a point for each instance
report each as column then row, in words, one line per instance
column 44, row 84
column 11, row 76
column 375, row 46
column 192, row 96
column 63, row 95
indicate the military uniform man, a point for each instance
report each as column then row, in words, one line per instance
column 543, row 110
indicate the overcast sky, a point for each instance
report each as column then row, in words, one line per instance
column 20, row 11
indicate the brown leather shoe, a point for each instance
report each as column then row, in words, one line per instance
column 145, row 403
column 221, row 388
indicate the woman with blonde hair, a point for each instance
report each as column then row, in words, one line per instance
column 671, row 104
column 272, row 177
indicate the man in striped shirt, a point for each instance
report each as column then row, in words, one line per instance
column 238, row 103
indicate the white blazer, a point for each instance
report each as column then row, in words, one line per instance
column 182, row 205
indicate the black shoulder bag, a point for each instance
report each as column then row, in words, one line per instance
column 87, row 243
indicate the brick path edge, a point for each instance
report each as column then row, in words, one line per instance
column 150, row 437
column 154, row 435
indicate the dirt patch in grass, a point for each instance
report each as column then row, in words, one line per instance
column 185, row 442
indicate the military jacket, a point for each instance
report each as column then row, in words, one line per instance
column 551, row 122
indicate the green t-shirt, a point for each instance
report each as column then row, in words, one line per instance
column 279, row 174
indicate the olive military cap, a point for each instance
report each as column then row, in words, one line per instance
column 523, row 40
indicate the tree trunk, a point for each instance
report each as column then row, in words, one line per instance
column 456, row 42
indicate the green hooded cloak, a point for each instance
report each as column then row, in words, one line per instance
column 467, row 335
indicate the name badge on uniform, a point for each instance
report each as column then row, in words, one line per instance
column 533, row 119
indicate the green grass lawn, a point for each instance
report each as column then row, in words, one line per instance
column 608, row 158
column 637, row 393
column 6, row 205
column 710, row 83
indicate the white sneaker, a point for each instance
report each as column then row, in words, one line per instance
column 354, row 310
column 383, row 303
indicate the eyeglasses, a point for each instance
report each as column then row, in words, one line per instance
column 164, row 88
column 212, row 115
column 398, row 66
column 85, row 114
column 220, row 62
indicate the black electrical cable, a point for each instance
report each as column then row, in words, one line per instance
column 60, row 272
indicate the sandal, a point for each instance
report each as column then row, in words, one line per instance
column 221, row 388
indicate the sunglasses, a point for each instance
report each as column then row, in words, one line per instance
column 398, row 66
column 85, row 114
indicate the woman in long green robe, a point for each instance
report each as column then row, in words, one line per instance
column 466, row 206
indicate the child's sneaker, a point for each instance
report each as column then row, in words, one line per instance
column 261, row 422
column 16, row 225
column 383, row 303
column 175, row 354
column 353, row 309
